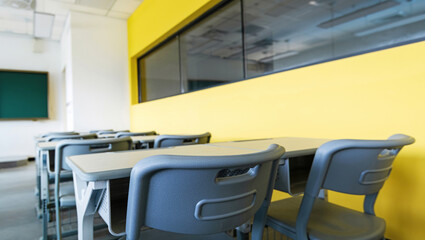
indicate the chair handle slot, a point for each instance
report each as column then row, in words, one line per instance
column 100, row 147
column 362, row 179
column 204, row 202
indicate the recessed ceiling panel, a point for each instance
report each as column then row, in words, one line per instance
column 101, row 4
column 18, row 4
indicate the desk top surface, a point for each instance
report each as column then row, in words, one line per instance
column 111, row 165
column 294, row 146
column 46, row 145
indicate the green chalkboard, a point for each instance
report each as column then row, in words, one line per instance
column 23, row 95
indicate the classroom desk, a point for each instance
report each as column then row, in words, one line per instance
column 45, row 155
column 101, row 180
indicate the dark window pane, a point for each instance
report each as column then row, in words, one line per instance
column 159, row 72
column 284, row 34
column 211, row 50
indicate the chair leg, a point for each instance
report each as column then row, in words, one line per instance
column 45, row 219
column 58, row 220
column 242, row 236
column 259, row 223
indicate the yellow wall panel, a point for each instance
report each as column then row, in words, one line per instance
column 369, row 96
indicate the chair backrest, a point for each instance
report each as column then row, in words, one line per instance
column 130, row 134
column 110, row 132
column 100, row 130
column 57, row 134
column 68, row 148
column 177, row 140
column 357, row 167
column 354, row 166
column 199, row 194
column 56, row 138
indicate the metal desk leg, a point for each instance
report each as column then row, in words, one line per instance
column 44, row 189
column 38, row 158
column 88, row 196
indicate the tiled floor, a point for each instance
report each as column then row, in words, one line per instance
column 18, row 220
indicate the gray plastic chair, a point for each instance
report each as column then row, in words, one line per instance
column 55, row 138
column 64, row 149
column 132, row 134
column 100, row 130
column 57, row 133
column 136, row 145
column 110, row 132
column 177, row 140
column 181, row 197
column 358, row 167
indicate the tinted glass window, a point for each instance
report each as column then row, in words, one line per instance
column 264, row 36
column 159, row 72
column 211, row 51
column 283, row 34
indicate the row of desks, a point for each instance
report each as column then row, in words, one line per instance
column 95, row 175
column 101, row 179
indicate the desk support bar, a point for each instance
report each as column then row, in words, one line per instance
column 88, row 196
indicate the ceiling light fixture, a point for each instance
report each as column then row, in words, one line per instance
column 359, row 14
column 391, row 25
column 279, row 56
column 43, row 24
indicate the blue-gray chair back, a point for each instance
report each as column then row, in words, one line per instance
column 199, row 194
column 57, row 133
column 68, row 148
column 100, row 130
column 354, row 166
column 357, row 167
column 56, row 138
column 132, row 134
column 177, row 140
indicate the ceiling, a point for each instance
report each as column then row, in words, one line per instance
column 17, row 16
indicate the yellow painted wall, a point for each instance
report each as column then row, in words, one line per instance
column 367, row 96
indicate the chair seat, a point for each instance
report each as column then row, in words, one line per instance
column 66, row 194
column 67, row 201
column 65, row 176
column 327, row 220
column 154, row 234
column 66, row 188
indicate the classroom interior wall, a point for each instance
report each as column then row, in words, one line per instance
column 25, row 53
column 88, row 79
column 97, row 70
column 369, row 96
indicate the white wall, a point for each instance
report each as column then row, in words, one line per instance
column 88, row 80
column 99, row 65
column 17, row 52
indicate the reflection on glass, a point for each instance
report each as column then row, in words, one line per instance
column 159, row 72
column 277, row 35
column 211, row 50
column 283, row 34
